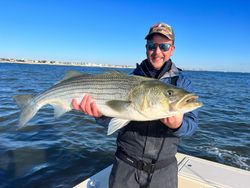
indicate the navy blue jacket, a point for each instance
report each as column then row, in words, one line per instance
column 190, row 121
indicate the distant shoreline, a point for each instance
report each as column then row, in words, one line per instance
column 57, row 63
column 66, row 64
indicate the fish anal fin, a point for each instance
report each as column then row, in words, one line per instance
column 116, row 124
column 60, row 109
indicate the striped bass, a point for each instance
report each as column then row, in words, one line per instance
column 124, row 97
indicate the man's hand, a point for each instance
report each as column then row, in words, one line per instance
column 173, row 122
column 87, row 105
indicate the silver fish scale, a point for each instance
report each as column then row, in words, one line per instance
column 100, row 87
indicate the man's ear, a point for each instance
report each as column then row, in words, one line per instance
column 172, row 48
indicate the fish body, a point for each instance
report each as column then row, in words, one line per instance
column 124, row 97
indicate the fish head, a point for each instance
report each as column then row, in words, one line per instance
column 155, row 99
column 181, row 100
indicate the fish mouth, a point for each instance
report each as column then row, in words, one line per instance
column 189, row 101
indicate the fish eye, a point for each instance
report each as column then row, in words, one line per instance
column 170, row 92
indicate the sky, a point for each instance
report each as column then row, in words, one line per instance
column 210, row 34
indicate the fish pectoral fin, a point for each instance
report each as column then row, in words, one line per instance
column 59, row 110
column 145, row 105
column 118, row 105
column 116, row 124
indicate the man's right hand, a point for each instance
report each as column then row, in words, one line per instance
column 87, row 105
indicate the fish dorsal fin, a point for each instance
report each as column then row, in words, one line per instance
column 115, row 72
column 72, row 74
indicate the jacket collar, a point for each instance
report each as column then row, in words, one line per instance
column 146, row 69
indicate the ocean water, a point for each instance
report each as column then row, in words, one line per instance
column 63, row 152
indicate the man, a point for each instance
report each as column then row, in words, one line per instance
column 145, row 155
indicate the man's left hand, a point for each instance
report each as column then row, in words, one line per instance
column 173, row 122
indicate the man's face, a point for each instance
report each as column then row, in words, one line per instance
column 157, row 57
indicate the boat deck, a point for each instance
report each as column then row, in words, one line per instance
column 193, row 172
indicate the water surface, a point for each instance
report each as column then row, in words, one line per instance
column 63, row 152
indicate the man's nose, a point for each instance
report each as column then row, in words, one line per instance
column 157, row 50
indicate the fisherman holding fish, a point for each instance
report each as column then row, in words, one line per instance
column 145, row 155
column 150, row 109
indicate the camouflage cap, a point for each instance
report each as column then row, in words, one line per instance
column 162, row 28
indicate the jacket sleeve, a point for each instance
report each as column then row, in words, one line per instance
column 190, row 120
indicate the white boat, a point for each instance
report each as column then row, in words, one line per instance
column 193, row 172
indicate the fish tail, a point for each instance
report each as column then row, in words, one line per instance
column 27, row 106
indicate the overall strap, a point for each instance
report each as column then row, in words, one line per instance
column 142, row 165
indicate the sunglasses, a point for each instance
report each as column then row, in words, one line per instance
column 152, row 46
